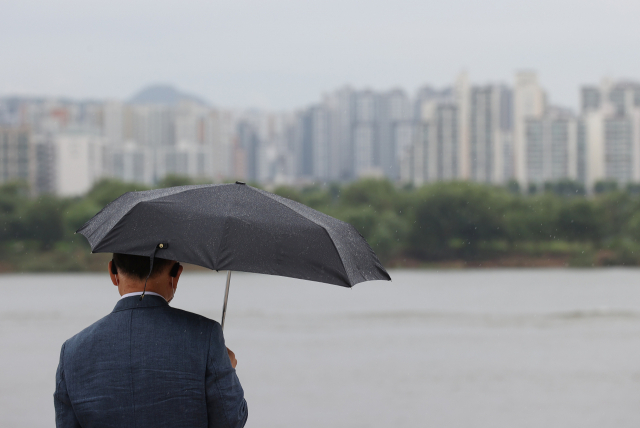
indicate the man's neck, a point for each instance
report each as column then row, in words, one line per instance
column 146, row 293
column 128, row 286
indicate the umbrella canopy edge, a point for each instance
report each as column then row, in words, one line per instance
column 353, row 281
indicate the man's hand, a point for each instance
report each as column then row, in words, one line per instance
column 232, row 358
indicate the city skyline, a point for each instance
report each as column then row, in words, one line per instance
column 493, row 134
column 168, row 89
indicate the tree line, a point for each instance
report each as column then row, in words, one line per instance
column 448, row 223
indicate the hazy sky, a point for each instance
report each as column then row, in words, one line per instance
column 284, row 54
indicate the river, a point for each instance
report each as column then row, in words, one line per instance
column 470, row 348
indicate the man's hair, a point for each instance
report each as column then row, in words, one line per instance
column 138, row 266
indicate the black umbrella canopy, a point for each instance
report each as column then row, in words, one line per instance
column 235, row 227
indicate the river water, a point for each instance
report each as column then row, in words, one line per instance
column 471, row 348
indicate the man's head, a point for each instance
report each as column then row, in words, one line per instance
column 138, row 266
column 129, row 272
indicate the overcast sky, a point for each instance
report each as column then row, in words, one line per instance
column 283, row 54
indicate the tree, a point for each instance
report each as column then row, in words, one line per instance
column 578, row 220
column 288, row 192
column 633, row 188
column 605, row 186
column 174, row 180
column 513, row 186
column 42, row 220
column 106, row 190
column 379, row 194
column 566, row 187
column 454, row 219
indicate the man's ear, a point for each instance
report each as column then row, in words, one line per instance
column 175, row 280
column 114, row 280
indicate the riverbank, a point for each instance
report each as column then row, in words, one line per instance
column 81, row 260
column 601, row 258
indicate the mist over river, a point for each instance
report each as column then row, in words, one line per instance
column 468, row 348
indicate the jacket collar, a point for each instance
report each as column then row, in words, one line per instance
column 134, row 302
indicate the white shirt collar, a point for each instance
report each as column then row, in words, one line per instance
column 138, row 293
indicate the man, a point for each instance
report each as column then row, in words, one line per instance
column 147, row 364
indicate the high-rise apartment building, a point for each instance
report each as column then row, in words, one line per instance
column 365, row 135
column 437, row 149
column 529, row 102
column 490, row 134
column 353, row 134
column 551, row 147
column 341, row 106
column 184, row 159
column 17, row 155
column 133, row 163
column 114, row 123
column 81, row 159
column 393, row 133
column 611, row 120
column 45, row 164
column 461, row 94
column 219, row 134
column 321, row 143
column 463, row 133
column 153, row 125
column 249, row 144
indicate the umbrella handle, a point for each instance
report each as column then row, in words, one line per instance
column 226, row 297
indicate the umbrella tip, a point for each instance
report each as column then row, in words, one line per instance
column 240, row 182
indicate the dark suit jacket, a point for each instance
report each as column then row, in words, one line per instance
column 147, row 364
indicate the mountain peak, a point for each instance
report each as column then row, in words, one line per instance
column 165, row 95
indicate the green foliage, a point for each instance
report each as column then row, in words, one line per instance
column 12, row 197
column 454, row 219
column 41, row 220
column 580, row 220
column 362, row 218
column 78, row 213
column 288, row 192
column 379, row 194
column 565, row 188
column 605, row 186
column 615, row 210
column 173, row 180
column 105, row 191
column 513, row 186
column 440, row 222
column 633, row 188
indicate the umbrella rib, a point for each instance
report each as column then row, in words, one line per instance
column 223, row 240
column 270, row 196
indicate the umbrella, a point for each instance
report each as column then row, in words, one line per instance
column 234, row 227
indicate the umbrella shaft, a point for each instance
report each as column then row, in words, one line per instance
column 226, row 297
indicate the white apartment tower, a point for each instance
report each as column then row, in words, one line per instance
column 437, row 152
column 551, row 149
column 81, row 160
column 365, row 135
column 529, row 102
column 490, row 134
column 394, row 131
column 462, row 99
column 114, row 117
column 611, row 120
column 341, row 106
column 17, row 155
column 132, row 162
